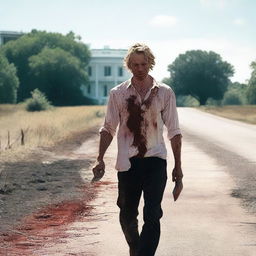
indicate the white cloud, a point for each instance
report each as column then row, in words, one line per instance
column 163, row 21
column 239, row 21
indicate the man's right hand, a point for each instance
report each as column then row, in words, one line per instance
column 98, row 170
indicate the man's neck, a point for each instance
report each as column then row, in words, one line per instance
column 146, row 82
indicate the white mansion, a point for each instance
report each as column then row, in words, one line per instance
column 105, row 71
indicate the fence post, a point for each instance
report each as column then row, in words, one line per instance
column 8, row 140
column 22, row 137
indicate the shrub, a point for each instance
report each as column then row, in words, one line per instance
column 186, row 101
column 38, row 102
column 213, row 102
column 233, row 97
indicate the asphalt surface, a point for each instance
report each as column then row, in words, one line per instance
column 231, row 143
column 214, row 215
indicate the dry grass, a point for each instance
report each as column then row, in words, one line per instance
column 45, row 128
column 245, row 113
column 6, row 109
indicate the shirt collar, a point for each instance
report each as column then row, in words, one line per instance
column 155, row 83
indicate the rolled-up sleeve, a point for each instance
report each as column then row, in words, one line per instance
column 170, row 115
column 112, row 116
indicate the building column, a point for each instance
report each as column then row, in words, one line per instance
column 96, row 82
column 115, row 73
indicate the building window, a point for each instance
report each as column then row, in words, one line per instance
column 120, row 71
column 107, row 71
column 105, row 90
column 89, row 89
column 90, row 71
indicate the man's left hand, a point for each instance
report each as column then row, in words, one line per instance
column 177, row 174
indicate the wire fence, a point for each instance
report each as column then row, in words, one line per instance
column 9, row 140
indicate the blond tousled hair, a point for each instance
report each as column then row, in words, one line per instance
column 140, row 49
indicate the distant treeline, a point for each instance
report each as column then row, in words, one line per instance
column 56, row 64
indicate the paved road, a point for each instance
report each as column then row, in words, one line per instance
column 231, row 143
column 234, row 136
column 206, row 220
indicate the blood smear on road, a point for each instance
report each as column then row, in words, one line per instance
column 43, row 227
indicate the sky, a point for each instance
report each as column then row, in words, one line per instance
column 168, row 27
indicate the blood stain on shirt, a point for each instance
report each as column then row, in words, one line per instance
column 135, row 123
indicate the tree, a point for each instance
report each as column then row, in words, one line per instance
column 200, row 74
column 8, row 81
column 59, row 75
column 19, row 52
column 251, row 92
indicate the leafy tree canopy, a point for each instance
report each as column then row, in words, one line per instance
column 52, row 70
column 200, row 74
column 8, row 81
column 24, row 50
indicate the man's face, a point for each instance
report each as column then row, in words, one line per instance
column 139, row 65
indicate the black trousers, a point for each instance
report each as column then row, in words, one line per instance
column 147, row 175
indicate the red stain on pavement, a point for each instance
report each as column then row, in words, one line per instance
column 48, row 226
column 43, row 227
column 99, row 184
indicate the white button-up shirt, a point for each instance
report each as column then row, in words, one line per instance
column 140, row 131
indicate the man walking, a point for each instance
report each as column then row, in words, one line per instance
column 141, row 106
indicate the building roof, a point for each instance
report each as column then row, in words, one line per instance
column 107, row 52
column 11, row 33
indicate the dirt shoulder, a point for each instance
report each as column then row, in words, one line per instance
column 45, row 180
